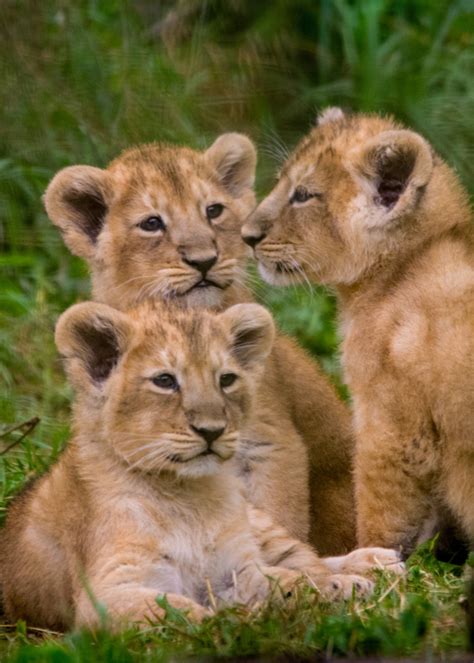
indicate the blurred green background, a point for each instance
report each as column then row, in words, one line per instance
column 81, row 80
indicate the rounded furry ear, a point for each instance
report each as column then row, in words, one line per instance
column 234, row 159
column 252, row 329
column 92, row 337
column 76, row 202
column 398, row 164
column 330, row 114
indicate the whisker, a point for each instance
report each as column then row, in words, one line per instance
column 124, row 283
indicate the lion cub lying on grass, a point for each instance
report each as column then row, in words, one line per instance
column 143, row 501
column 367, row 206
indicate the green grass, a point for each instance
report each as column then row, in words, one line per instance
column 417, row 615
column 82, row 80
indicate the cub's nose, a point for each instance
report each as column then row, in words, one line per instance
column 209, row 434
column 253, row 240
column 202, row 265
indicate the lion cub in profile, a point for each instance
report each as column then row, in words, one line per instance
column 144, row 500
column 365, row 205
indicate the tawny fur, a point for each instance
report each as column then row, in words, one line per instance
column 366, row 206
column 140, row 504
column 296, row 450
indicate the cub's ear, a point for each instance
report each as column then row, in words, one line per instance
column 234, row 159
column 92, row 337
column 252, row 330
column 398, row 165
column 330, row 114
column 76, row 202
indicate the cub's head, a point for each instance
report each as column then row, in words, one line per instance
column 358, row 191
column 166, row 389
column 160, row 222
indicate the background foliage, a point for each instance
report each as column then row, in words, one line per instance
column 82, row 80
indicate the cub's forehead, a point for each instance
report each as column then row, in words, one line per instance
column 334, row 140
column 180, row 339
column 149, row 171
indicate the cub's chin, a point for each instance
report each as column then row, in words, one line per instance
column 271, row 276
column 201, row 466
column 207, row 297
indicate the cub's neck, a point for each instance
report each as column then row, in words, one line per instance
column 403, row 272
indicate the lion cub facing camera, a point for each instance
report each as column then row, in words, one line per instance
column 366, row 206
column 144, row 500
column 163, row 222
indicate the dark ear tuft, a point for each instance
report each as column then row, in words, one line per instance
column 233, row 157
column 76, row 202
column 399, row 164
column 91, row 210
column 92, row 337
column 394, row 169
column 252, row 332
column 101, row 348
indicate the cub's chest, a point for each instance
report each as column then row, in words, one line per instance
column 189, row 545
column 192, row 533
column 386, row 347
column 361, row 351
column 202, row 553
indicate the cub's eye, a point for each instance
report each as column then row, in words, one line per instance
column 227, row 379
column 301, row 195
column 165, row 381
column 152, row 224
column 213, row 211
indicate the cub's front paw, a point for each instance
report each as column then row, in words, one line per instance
column 194, row 611
column 287, row 580
column 364, row 560
column 258, row 584
column 341, row 586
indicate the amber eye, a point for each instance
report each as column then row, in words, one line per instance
column 213, row 211
column 165, row 381
column 227, row 379
column 152, row 224
column 301, row 195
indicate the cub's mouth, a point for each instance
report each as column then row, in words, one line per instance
column 207, row 283
column 175, row 458
column 204, row 284
column 280, row 273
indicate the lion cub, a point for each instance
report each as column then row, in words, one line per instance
column 163, row 223
column 144, row 500
column 365, row 205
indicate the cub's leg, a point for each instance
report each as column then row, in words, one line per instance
column 365, row 560
column 289, row 561
column 256, row 582
column 127, row 585
column 34, row 569
column 273, row 465
column 457, row 484
column 392, row 491
column 131, row 603
column 324, row 423
column 129, row 565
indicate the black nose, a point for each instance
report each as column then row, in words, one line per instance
column 203, row 265
column 253, row 240
column 209, row 434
